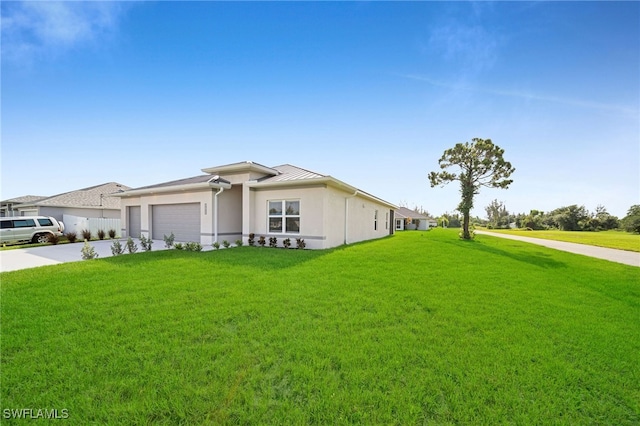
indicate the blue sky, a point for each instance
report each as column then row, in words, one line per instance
column 370, row 93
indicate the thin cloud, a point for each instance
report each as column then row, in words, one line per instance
column 35, row 29
column 529, row 96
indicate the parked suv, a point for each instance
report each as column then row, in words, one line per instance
column 34, row 229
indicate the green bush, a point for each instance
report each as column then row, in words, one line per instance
column 226, row 244
column 179, row 246
column 286, row 243
column 262, row 241
column 193, row 246
column 88, row 251
column 252, row 239
column 273, row 242
column 216, row 245
column 168, row 241
column 116, row 248
column 131, row 245
column 145, row 242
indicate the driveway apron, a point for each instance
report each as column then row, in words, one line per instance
column 613, row 255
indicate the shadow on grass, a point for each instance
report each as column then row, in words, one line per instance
column 535, row 258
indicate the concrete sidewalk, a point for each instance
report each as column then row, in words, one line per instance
column 613, row 255
column 23, row 258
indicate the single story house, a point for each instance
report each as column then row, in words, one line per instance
column 231, row 201
column 411, row 219
column 92, row 202
column 8, row 208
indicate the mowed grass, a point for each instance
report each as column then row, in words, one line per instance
column 416, row 328
column 611, row 239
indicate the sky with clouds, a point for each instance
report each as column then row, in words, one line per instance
column 370, row 93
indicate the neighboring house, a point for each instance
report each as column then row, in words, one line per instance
column 230, row 202
column 406, row 219
column 92, row 202
column 8, row 208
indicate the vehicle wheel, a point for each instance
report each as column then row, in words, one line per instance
column 41, row 238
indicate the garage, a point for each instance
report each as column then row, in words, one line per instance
column 133, row 221
column 181, row 219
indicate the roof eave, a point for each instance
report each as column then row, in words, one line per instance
column 172, row 188
column 327, row 180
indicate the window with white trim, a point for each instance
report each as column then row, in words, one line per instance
column 386, row 221
column 284, row 216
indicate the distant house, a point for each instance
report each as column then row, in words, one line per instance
column 407, row 219
column 8, row 208
column 92, row 202
column 232, row 201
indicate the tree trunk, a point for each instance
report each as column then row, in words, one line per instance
column 465, row 226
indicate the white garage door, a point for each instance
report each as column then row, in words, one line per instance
column 181, row 219
column 133, row 225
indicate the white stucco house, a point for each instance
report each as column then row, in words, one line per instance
column 231, row 201
column 407, row 219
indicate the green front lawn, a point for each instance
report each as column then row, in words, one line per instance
column 611, row 239
column 416, row 328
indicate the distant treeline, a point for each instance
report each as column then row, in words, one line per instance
column 568, row 218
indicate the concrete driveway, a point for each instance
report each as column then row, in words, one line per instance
column 613, row 255
column 13, row 260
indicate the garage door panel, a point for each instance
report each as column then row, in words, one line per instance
column 181, row 219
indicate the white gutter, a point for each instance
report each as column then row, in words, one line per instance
column 171, row 188
column 346, row 214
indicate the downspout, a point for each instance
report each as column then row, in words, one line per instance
column 215, row 207
column 346, row 215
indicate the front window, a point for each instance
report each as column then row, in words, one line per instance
column 284, row 216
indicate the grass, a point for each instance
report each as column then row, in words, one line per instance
column 611, row 239
column 417, row 328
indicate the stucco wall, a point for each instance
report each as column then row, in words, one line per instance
column 311, row 214
column 230, row 219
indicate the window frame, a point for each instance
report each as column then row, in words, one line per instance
column 283, row 216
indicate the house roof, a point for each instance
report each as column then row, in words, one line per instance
column 278, row 176
column 23, row 199
column 97, row 196
column 403, row 212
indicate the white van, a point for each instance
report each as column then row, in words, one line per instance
column 35, row 229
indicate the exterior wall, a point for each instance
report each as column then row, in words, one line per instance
column 360, row 226
column 311, row 214
column 230, row 218
column 229, row 215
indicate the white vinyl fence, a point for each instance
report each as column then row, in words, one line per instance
column 94, row 224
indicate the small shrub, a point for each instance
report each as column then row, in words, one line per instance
column 131, row 246
column 88, row 251
column 252, row 239
column 216, row 245
column 273, row 242
column 112, row 233
column 145, row 242
column 286, row 243
column 101, row 234
column 239, row 243
column 71, row 236
column 86, row 234
column 116, row 248
column 262, row 241
column 193, row 246
column 168, row 241
column 226, row 243
column 179, row 246
column 300, row 243
column 53, row 239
